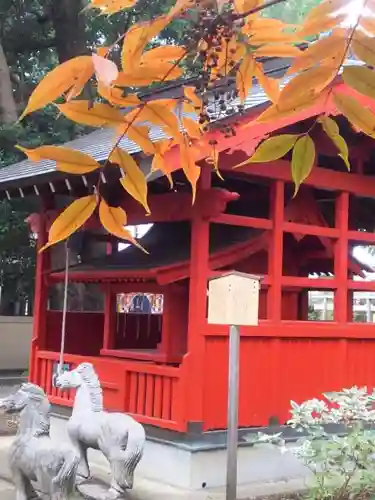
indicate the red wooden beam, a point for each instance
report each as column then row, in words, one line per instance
column 361, row 286
column 299, row 329
column 145, row 287
column 307, row 229
column 321, row 178
column 362, row 236
column 310, row 283
column 109, row 318
column 243, row 221
column 275, row 252
column 198, row 271
column 341, row 258
column 105, row 275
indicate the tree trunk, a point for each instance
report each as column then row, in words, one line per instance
column 8, row 109
column 69, row 25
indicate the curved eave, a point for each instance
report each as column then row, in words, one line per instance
column 165, row 275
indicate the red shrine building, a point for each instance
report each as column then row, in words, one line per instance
column 148, row 336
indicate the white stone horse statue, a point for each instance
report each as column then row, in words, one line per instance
column 33, row 456
column 118, row 436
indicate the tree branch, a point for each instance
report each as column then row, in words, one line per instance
column 236, row 17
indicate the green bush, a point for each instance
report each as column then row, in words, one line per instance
column 343, row 464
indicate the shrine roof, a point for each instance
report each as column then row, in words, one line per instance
column 168, row 244
column 99, row 143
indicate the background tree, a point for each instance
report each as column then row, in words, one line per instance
column 37, row 35
column 291, row 12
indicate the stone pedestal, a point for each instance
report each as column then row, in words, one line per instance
column 199, row 463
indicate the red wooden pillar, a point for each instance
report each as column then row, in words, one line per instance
column 341, row 258
column 275, row 254
column 199, row 269
column 38, row 341
column 109, row 318
column 175, row 321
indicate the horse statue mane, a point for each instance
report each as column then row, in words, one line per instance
column 33, row 456
column 40, row 406
column 91, row 379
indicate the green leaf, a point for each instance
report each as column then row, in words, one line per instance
column 273, row 148
column 302, row 160
column 331, row 128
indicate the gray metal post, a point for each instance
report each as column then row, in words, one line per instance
column 232, row 442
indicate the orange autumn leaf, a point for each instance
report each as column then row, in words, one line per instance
column 319, row 24
column 111, row 6
column 307, row 85
column 231, row 53
column 163, row 54
column 332, row 46
column 244, row 76
column 325, row 9
column 114, row 220
column 280, row 50
column 158, row 113
column 192, row 128
column 72, row 218
column 70, row 76
column 213, row 159
column 190, row 94
column 256, row 23
column 142, row 75
column 138, row 134
column 115, row 96
column 134, row 181
column 287, row 109
column 190, row 168
column 164, row 145
column 136, row 39
column 159, row 163
column 367, row 23
column 272, row 36
column 94, row 115
column 242, row 6
column 269, row 85
column 67, row 160
column 103, row 51
column 188, row 108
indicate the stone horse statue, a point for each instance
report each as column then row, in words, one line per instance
column 118, row 436
column 33, row 456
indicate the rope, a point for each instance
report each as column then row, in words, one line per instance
column 65, row 306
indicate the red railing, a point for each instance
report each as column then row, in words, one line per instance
column 153, row 394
